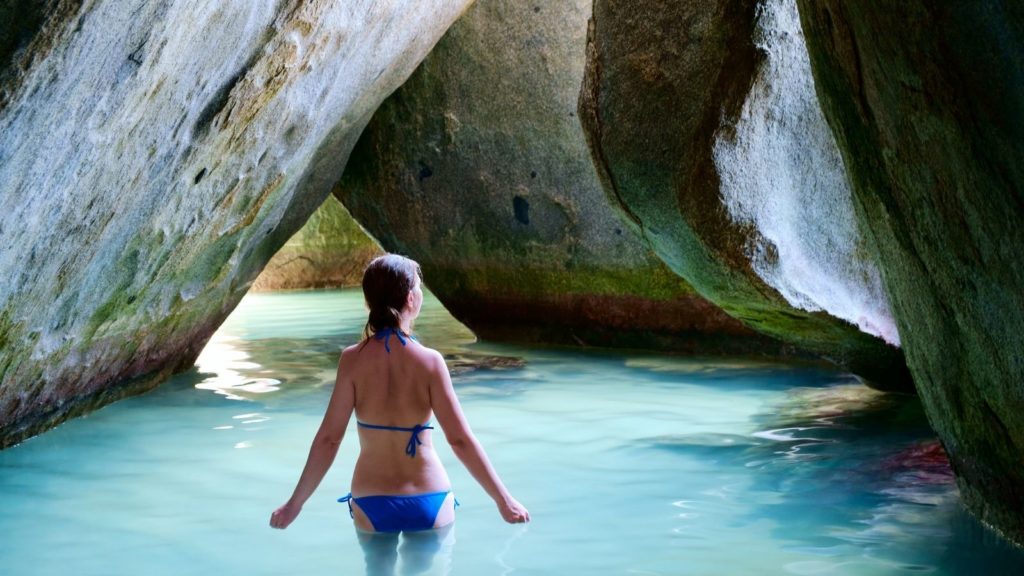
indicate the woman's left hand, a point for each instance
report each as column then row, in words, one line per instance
column 513, row 512
column 284, row 515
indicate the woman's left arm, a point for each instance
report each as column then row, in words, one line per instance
column 325, row 446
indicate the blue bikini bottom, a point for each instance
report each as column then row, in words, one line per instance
column 399, row 513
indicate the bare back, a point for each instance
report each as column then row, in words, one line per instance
column 393, row 389
column 404, row 387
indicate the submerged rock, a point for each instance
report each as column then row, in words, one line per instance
column 701, row 141
column 478, row 168
column 927, row 104
column 465, row 362
column 330, row 251
column 153, row 157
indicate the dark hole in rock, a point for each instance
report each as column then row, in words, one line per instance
column 199, row 176
column 522, row 209
column 425, row 172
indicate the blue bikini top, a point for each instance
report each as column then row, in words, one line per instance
column 414, row 438
column 385, row 335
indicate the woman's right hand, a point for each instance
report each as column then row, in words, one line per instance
column 513, row 512
column 284, row 515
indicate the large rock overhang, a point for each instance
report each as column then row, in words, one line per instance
column 154, row 157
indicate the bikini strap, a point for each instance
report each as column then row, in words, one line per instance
column 385, row 335
column 414, row 438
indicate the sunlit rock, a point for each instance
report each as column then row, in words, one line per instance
column 330, row 251
column 702, row 119
column 478, row 168
column 927, row 104
column 781, row 172
column 153, row 157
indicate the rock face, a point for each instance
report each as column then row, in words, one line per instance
column 330, row 251
column 700, row 144
column 153, row 157
column 478, row 168
column 927, row 104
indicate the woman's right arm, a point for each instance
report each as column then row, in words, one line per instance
column 448, row 412
column 324, row 447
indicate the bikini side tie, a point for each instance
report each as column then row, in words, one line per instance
column 348, row 498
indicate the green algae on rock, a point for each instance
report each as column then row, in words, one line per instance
column 477, row 167
column 330, row 251
column 658, row 92
column 154, row 157
column 927, row 103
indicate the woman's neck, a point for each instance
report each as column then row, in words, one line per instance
column 405, row 325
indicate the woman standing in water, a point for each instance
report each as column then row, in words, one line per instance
column 394, row 384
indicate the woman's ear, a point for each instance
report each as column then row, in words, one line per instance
column 410, row 301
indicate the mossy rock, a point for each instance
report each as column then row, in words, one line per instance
column 477, row 167
column 927, row 103
column 330, row 251
column 148, row 175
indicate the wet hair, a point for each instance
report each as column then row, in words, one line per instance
column 387, row 281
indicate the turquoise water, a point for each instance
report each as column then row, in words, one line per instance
column 630, row 463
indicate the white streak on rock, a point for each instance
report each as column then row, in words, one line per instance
column 782, row 173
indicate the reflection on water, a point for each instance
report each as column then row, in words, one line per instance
column 225, row 363
column 875, row 468
column 630, row 463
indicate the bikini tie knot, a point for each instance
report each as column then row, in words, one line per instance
column 385, row 335
column 414, row 439
column 348, row 498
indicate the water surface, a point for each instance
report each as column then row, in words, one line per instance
column 630, row 463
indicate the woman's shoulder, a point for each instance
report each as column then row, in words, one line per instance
column 429, row 357
column 426, row 351
column 425, row 356
column 350, row 350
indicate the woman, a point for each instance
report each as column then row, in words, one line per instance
column 393, row 384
